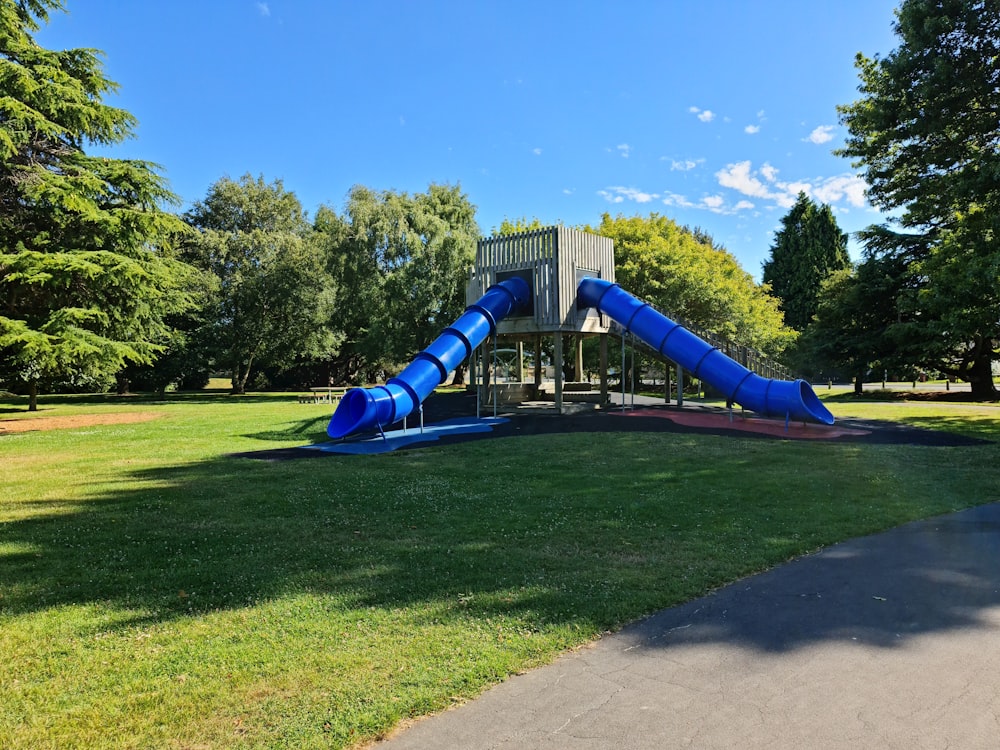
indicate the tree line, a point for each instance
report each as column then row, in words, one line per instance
column 926, row 134
column 102, row 280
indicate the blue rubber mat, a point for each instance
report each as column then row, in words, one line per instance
column 395, row 439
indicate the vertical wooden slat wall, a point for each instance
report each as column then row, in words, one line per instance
column 553, row 254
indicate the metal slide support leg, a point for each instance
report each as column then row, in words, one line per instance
column 494, row 379
column 477, row 382
column 621, row 373
column 632, row 373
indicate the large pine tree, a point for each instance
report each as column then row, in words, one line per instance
column 806, row 250
column 84, row 279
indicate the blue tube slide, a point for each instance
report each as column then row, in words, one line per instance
column 790, row 399
column 363, row 409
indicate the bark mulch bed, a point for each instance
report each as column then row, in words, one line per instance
column 34, row 424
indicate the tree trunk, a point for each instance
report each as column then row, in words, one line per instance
column 121, row 384
column 859, row 384
column 33, row 395
column 239, row 380
column 459, row 377
column 980, row 377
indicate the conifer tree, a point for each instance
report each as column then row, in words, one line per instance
column 85, row 279
column 926, row 132
column 806, row 250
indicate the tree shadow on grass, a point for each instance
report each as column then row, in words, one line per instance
column 229, row 533
column 942, row 574
column 309, row 430
column 984, row 428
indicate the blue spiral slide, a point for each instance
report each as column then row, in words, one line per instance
column 366, row 409
column 788, row 399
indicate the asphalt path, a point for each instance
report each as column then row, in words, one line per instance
column 889, row 641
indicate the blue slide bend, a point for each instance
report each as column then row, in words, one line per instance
column 789, row 399
column 364, row 409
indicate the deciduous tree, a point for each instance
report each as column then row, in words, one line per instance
column 273, row 290
column 401, row 262
column 665, row 264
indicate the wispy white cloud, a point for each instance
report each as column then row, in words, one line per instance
column 620, row 194
column 624, row 149
column 674, row 199
column 847, row 187
column 751, row 129
column 714, row 203
column 764, row 183
column 536, row 151
column 682, row 165
column 822, row 134
column 263, row 9
column 705, row 115
column 740, row 177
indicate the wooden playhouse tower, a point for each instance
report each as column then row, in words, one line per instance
column 553, row 261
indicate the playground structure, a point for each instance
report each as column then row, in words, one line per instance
column 553, row 261
column 558, row 281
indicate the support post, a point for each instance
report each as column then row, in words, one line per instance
column 604, row 368
column 538, row 361
column 680, row 385
column 578, row 363
column 496, row 395
column 557, row 365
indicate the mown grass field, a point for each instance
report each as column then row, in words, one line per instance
column 157, row 592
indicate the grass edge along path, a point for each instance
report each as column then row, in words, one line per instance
column 156, row 593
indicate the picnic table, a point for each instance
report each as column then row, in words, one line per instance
column 329, row 393
column 325, row 394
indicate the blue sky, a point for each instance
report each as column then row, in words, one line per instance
column 713, row 113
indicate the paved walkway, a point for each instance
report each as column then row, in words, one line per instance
column 889, row 641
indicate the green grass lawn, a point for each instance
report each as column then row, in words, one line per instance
column 156, row 592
